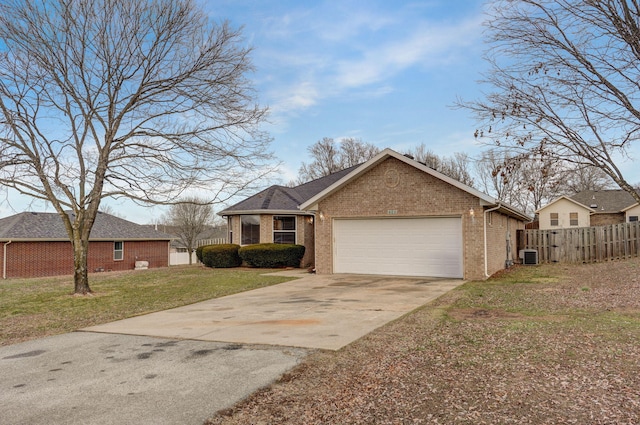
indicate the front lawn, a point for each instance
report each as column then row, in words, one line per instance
column 550, row 344
column 33, row 308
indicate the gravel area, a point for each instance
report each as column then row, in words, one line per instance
column 551, row 344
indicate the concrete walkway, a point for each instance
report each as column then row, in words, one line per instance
column 316, row 311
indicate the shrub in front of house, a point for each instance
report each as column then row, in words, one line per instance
column 221, row 256
column 270, row 255
column 199, row 252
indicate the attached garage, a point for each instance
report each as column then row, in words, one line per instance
column 399, row 246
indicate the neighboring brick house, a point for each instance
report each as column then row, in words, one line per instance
column 589, row 208
column 36, row 244
column 391, row 216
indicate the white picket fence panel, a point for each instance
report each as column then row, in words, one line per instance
column 178, row 258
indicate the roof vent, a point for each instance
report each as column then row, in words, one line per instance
column 594, row 205
column 408, row 155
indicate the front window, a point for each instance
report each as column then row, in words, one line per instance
column 118, row 251
column 573, row 219
column 554, row 219
column 284, row 229
column 250, row 229
column 633, row 218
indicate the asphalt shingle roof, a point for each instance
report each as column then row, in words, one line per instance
column 604, row 201
column 49, row 226
column 282, row 198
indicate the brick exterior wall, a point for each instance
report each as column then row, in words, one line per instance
column 37, row 259
column 604, row 219
column 408, row 192
column 501, row 230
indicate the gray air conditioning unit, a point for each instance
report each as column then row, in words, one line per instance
column 529, row 257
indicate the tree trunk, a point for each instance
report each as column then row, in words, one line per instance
column 80, row 273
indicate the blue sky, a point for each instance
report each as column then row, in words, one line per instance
column 387, row 72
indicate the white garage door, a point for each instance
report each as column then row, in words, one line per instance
column 399, row 246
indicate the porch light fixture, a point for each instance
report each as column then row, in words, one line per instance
column 472, row 213
column 321, row 215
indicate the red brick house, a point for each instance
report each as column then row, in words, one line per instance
column 389, row 216
column 36, row 244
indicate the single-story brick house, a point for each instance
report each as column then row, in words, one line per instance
column 36, row 244
column 589, row 208
column 390, row 216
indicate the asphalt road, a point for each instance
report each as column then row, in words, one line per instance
column 91, row 378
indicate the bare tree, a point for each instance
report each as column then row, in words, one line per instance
column 330, row 157
column 119, row 98
column 457, row 167
column 523, row 181
column 498, row 176
column 189, row 219
column 576, row 178
column 563, row 82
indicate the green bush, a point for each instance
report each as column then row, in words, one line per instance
column 221, row 256
column 272, row 255
column 199, row 252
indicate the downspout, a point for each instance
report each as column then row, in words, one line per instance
column 486, row 260
column 4, row 261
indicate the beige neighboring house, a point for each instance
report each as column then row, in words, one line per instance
column 589, row 208
column 390, row 215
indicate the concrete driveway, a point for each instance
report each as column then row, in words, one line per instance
column 315, row 311
column 180, row 366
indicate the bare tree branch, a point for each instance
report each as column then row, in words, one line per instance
column 113, row 98
column 565, row 80
column 330, row 156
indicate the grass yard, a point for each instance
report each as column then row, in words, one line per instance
column 550, row 344
column 33, row 308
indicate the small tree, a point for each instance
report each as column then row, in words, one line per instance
column 190, row 218
column 118, row 98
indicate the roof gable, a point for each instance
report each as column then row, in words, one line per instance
column 49, row 226
column 388, row 153
column 565, row 199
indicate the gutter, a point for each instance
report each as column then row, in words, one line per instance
column 486, row 260
column 4, row 260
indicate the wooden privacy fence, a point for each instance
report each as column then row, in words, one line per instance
column 584, row 244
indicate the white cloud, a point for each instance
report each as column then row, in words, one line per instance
column 313, row 67
column 430, row 45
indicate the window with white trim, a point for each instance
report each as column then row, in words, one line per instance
column 633, row 218
column 573, row 219
column 284, row 229
column 553, row 219
column 118, row 251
